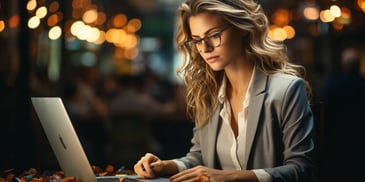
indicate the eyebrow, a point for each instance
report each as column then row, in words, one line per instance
column 211, row 30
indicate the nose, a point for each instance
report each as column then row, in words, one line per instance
column 206, row 47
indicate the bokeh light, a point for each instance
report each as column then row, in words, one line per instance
column 90, row 16
column 290, row 31
column 34, row 22
column 55, row 32
column 119, row 20
column 335, row 11
column 52, row 20
column 2, row 25
column 54, row 6
column 326, row 16
column 14, row 21
column 31, row 5
column 311, row 13
column 134, row 25
column 41, row 12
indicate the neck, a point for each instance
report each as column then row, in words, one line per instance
column 239, row 77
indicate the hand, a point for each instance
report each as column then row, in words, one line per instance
column 199, row 173
column 205, row 174
column 144, row 166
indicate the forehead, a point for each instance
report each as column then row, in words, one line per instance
column 202, row 22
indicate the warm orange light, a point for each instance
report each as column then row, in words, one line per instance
column 54, row 6
column 119, row 20
column 14, row 21
column 279, row 34
column 90, row 16
column 52, row 20
column 281, row 17
column 101, row 38
column 337, row 25
column 290, row 31
column 311, row 13
column 101, row 18
column 134, row 25
column 132, row 41
column 2, row 25
column 326, row 16
column 345, row 12
column 31, row 5
column 361, row 5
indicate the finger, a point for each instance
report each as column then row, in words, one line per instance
column 203, row 178
column 186, row 175
column 150, row 157
column 138, row 170
column 146, row 168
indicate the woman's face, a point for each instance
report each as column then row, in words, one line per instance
column 206, row 29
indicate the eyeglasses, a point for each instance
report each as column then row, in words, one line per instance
column 214, row 40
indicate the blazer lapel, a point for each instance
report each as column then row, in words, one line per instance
column 257, row 90
column 212, row 132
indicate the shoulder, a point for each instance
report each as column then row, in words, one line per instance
column 284, row 81
column 276, row 85
column 284, row 88
column 283, row 77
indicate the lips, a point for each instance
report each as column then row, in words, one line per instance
column 212, row 59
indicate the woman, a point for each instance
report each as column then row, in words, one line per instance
column 250, row 105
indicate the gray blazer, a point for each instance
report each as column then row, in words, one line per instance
column 279, row 130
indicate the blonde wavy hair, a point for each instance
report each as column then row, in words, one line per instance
column 202, row 83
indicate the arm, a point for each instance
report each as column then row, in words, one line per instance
column 296, row 124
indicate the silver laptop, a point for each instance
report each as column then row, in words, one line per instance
column 65, row 142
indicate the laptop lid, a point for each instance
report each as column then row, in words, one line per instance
column 66, row 145
column 63, row 138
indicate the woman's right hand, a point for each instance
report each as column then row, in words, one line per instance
column 145, row 167
column 150, row 166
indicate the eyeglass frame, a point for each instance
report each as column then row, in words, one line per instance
column 193, row 43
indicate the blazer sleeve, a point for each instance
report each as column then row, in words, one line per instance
column 194, row 156
column 295, row 120
column 203, row 142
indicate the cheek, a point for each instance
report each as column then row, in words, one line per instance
column 234, row 46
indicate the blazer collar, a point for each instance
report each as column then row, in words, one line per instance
column 258, row 87
column 258, row 90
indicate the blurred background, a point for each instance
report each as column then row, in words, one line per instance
column 113, row 63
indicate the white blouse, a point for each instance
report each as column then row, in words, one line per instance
column 231, row 150
column 227, row 145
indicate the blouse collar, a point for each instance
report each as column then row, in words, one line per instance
column 222, row 90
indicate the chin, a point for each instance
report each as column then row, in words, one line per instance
column 216, row 68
